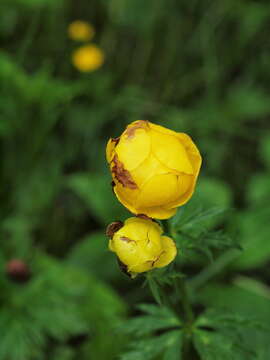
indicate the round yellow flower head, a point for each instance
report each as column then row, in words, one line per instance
column 140, row 246
column 88, row 58
column 81, row 31
column 154, row 169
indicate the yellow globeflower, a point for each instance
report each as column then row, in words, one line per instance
column 154, row 169
column 140, row 246
column 81, row 31
column 88, row 58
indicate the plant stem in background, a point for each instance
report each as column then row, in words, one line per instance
column 29, row 37
column 181, row 287
column 181, row 290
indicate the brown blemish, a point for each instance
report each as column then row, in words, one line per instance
column 115, row 140
column 143, row 216
column 126, row 239
column 122, row 175
column 113, row 227
column 123, row 267
column 141, row 124
column 159, row 256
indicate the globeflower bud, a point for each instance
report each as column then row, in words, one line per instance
column 88, row 58
column 140, row 246
column 80, row 30
column 154, row 169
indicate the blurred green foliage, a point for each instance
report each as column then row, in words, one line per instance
column 199, row 67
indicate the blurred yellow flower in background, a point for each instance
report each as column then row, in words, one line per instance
column 140, row 245
column 81, row 31
column 88, row 58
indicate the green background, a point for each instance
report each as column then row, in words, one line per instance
column 201, row 67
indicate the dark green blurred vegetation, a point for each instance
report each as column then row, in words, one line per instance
column 201, row 67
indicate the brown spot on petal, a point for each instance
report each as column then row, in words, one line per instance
column 159, row 256
column 126, row 239
column 143, row 216
column 115, row 140
column 141, row 124
column 113, row 227
column 122, row 175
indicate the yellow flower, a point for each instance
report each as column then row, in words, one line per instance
column 88, row 58
column 81, row 31
column 154, row 169
column 140, row 246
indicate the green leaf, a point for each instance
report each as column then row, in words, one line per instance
column 148, row 349
column 72, row 303
column 213, row 346
column 92, row 254
column 154, row 287
column 206, row 209
column 253, row 228
column 258, row 190
column 247, row 102
column 220, row 333
column 95, row 190
column 156, row 318
column 190, row 217
column 244, row 297
column 174, row 351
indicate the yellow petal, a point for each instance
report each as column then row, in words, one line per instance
column 141, row 267
column 192, row 150
column 146, row 233
column 111, row 245
column 185, row 183
column 133, row 149
column 146, row 224
column 126, row 196
column 162, row 129
column 171, row 152
column 158, row 212
column 168, row 254
column 110, row 149
column 186, row 189
column 158, row 191
column 134, row 229
column 149, row 167
column 125, row 248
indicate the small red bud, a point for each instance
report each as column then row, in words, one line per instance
column 18, row 271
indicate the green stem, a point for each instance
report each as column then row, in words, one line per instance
column 181, row 288
column 166, row 227
column 29, row 36
column 186, row 307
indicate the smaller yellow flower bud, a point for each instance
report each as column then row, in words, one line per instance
column 81, row 31
column 88, row 58
column 140, row 246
